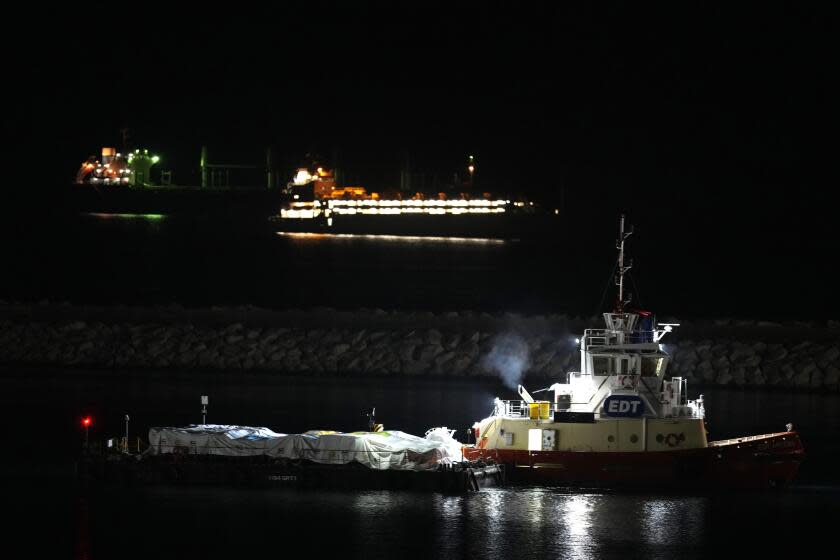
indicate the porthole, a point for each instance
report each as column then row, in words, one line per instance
column 610, row 439
column 634, row 438
column 660, row 438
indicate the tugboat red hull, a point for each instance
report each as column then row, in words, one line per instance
column 765, row 461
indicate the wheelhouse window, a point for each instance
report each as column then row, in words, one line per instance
column 622, row 365
column 613, row 365
column 600, row 365
column 652, row 365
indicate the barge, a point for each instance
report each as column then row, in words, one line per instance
column 220, row 454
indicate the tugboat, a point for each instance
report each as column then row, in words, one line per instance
column 621, row 421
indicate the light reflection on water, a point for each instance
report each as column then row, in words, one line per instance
column 660, row 516
column 302, row 236
column 576, row 512
column 512, row 522
column 491, row 513
column 112, row 216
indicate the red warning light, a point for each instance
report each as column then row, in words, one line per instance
column 86, row 421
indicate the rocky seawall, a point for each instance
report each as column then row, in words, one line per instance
column 374, row 342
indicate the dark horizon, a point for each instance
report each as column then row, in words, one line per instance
column 696, row 94
column 706, row 125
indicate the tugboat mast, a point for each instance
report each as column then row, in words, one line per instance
column 619, row 280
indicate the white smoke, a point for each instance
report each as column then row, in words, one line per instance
column 508, row 358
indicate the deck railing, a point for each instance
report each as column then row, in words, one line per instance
column 519, row 409
column 606, row 337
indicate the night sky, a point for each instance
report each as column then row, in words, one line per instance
column 710, row 122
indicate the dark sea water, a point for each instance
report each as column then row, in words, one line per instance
column 182, row 522
column 680, row 269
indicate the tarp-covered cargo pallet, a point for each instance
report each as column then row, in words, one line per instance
column 265, row 472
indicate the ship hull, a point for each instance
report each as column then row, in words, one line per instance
column 253, row 204
column 757, row 462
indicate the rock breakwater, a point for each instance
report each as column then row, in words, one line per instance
column 375, row 342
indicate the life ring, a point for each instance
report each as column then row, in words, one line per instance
column 626, row 381
column 673, row 440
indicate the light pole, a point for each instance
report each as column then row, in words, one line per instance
column 126, row 433
column 86, row 422
column 205, row 400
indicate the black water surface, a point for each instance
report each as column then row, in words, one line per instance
column 183, row 522
column 679, row 269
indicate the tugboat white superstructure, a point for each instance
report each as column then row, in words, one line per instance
column 620, row 420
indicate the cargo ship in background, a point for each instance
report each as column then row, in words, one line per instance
column 316, row 203
column 129, row 183
column 622, row 421
column 313, row 201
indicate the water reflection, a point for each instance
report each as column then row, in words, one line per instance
column 576, row 513
column 674, row 522
column 397, row 238
column 559, row 523
column 82, row 548
column 111, row 216
column 370, row 515
column 494, row 508
column 501, row 523
column 452, row 524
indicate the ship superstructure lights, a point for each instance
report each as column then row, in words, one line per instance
column 300, row 214
column 395, row 207
column 302, row 210
column 117, row 168
column 409, row 203
column 302, row 177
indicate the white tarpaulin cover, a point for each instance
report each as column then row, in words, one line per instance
column 377, row 450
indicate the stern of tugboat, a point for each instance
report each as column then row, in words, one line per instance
column 763, row 461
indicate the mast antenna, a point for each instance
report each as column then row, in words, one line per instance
column 622, row 268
